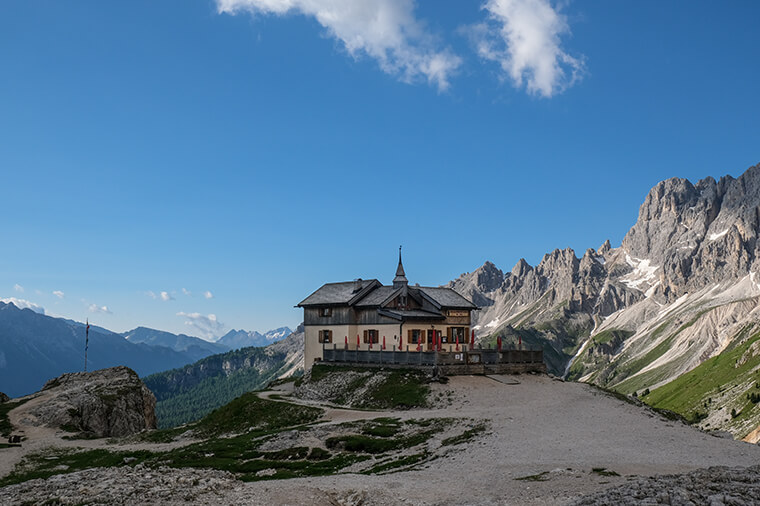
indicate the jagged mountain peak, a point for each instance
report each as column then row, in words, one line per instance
column 521, row 268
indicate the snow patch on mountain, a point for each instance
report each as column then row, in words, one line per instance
column 643, row 272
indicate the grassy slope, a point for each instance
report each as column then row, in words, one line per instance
column 211, row 386
column 691, row 393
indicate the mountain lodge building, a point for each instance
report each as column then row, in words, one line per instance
column 367, row 315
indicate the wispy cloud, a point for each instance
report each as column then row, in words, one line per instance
column 24, row 304
column 59, row 294
column 205, row 326
column 186, row 292
column 151, row 294
column 208, row 294
column 523, row 37
column 94, row 308
column 18, row 288
column 166, row 296
column 385, row 30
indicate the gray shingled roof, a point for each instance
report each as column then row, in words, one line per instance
column 335, row 293
column 343, row 293
column 377, row 296
column 446, row 297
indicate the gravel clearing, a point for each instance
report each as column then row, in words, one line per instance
column 545, row 439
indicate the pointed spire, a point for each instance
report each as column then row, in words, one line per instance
column 400, row 279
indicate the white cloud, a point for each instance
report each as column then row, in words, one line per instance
column 186, row 292
column 24, row 304
column 208, row 294
column 523, row 37
column 94, row 308
column 151, row 294
column 18, row 288
column 166, row 296
column 385, row 30
column 205, row 326
column 59, row 294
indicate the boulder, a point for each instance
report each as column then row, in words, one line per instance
column 4, row 398
column 106, row 403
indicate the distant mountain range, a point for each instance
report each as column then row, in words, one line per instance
column 194, row 347
column 235, row 339
column 679, row 298
column 35, row 347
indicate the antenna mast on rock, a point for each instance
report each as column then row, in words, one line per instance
column 86, row 342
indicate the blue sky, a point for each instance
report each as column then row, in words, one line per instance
column 255, row 149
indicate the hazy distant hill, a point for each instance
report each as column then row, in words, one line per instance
column 194, row 347
column 235, row 339
column 190, row 392
column 35, row 348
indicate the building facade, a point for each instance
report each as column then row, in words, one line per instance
column 367, row 315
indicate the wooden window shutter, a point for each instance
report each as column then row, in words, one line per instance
column 409, row 336
column 329, row 336
column 449, row 333
column 321, row 337
column 366, row 336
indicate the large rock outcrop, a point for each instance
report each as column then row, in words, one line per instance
column 106, row 403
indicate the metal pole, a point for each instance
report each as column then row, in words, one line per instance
column 86, row 342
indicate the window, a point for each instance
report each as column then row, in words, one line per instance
column 415, row 336
column 325, row 311
column 430, row 336
column 325, row 336
column 371, row 336
column 456, row 332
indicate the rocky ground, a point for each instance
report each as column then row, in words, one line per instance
column 548, row 442
column 714, row 486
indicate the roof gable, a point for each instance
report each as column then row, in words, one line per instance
column 344, row 293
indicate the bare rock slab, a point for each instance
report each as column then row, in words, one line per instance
column 109, row 402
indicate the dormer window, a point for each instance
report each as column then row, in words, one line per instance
column 325, row 311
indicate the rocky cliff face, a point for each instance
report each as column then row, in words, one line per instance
column 682, row 287
column 106, row 403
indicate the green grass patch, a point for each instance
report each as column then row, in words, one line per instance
column 686, row 394
column 249, row 412
column 44, row 465
column 382, row 427
column 362, row 443
column 242, row 455
column 465, row 436
column 609, row 335
column 399, row 464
